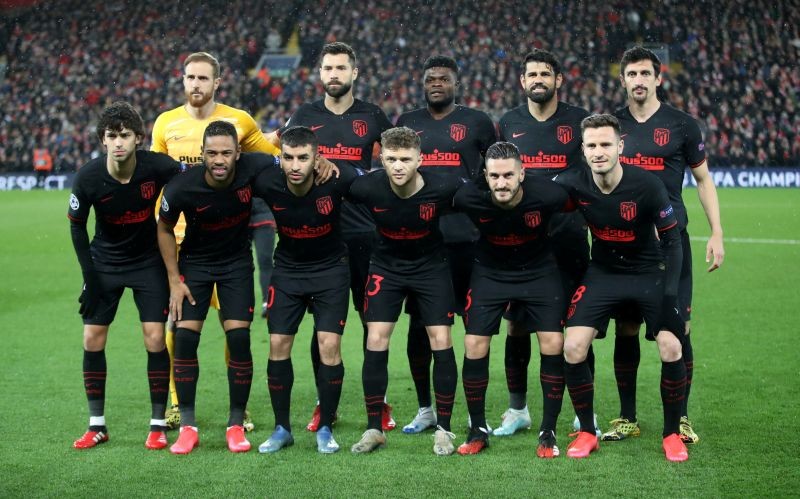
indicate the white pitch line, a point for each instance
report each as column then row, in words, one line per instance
column 751, row 240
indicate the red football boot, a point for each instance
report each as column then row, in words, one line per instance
column 186, row 442
column 90, row 439
column 583, row 445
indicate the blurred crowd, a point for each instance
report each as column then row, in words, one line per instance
column 733, row 65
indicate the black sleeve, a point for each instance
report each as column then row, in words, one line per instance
column 383, row 121
column 488, row 134
column 80, row 241
column 170, row 204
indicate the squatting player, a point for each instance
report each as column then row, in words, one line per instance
column 547, row 133
column 348, row 129
column 454, row 139
column 627, row 211
column 179, row 133
column 311, row 269
column 514, row 264
column 664, row 141
column 216, row 201
column 409, row 261
column 122, row 186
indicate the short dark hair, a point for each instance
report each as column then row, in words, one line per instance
column 502, row 150
column 220, row 128
column 440, row 61
column 543, row 56
column 637, row 54
column 337, row 48
column 600, row 121
column 117, row 116
column 203, row 57
column 400, row 137
column 298, row 136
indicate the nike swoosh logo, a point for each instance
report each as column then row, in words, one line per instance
column 316, row 127
column 181, row 371
column 203, row 208
column 176, row 137
column 342, row 323
column 242, row 374
column 380, row 210
column 278, row 208
column 106, row 199
column 517, row 134
column 583, row 203
column 484, row 220
column 623, row 135
column 420, row 132
column 450, row 315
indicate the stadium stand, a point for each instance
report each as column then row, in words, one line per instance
column 734, row 65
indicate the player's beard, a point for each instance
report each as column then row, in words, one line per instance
column 446, row 101
column 340, row 91
column 541, row 98
column 511, row 197
column 198, row 101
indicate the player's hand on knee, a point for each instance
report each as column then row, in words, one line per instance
column 670, row 319
column 90, row 296
column 176, row 296
column 324, row 171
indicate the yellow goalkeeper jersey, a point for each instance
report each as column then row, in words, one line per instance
column 179, row 135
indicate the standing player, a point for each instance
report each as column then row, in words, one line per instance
column 627, row 211
column 179, row 133
column 311, row 270
column 454, row 140
column 665, row 141
column 216, row 202
column 348, row 130
column 409, row 261
column 514, row 264
column 122, row 186
column 546, row 131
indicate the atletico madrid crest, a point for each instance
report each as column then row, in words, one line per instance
column 627, row 210
column 458, row 132
column 325, row 205
column 148, row 190
column 244, row 194
column 360, row 127
column 564, row 134
column 533, row 219
column 427, row 211
column 661, row 136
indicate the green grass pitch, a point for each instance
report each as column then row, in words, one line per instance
column 744, row 401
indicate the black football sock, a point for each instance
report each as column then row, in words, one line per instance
column 315, row 358
column 445, row 380
column 330, row 391
column 688, row 360
column 158, row 380
column 95, row 371
column 240, row 373
column 419, row 360
column 375, row 378
column 518, row 356
column 280, row 378
column 581, row 391
column 626, row 366
column 551, row 375
column 186, row 371
column 673, row 392
column 590, row 359
column 475, row 378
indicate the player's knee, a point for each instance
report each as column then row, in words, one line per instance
column 476, row 347
column 575, row 351
column 669, row 347
column 329, row 348
column 440, row 338
column 94, row 337
column 153, row 336
column 280, row 346
column 551, row 343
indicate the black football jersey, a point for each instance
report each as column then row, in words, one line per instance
column 348, row 139
column 408, row 229
column 665, row 144
column 514, row 239
column 453, row 146
column 309, row 230
column 623, row 223
column 548, row 148
column 125, row 224
column 217, row 231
